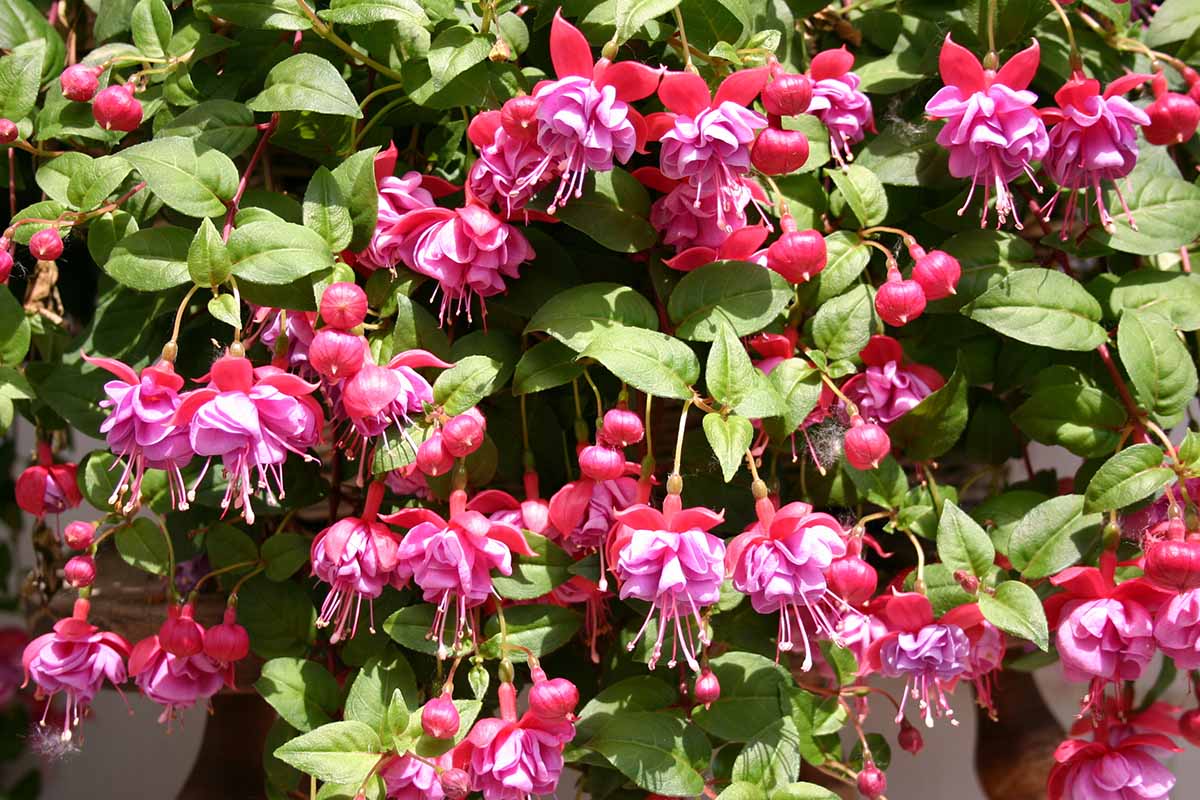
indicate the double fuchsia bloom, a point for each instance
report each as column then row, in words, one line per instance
column 175, row 682
column 838, row 103
column 987, row 651
column 1093, row 139
column 250, row 418
column 378, row 398
column 297, row 329
column 744, row 244
column 357, row 557
column 929, row 655
column 409, row 778
column 584, row 511
column 779, row 562
column 1102, row 770
column 890, row 386
column 584, row 117
column 139, row 428
column 47, row 487
column 992, row 130
column 1177, row 629
column 669, row 559
column 504, row 174
column 684, row 225
column 75, row 658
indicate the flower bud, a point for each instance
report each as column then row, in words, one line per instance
column 432, row 458
column 1173, row 119
column 116, row 109
column 456, row 783
column 46, row 244
column 343, row 305
column 621, row 428
column 779, row 152
column 463, row 434
column 518, row 117
column 370, row 391
column 866, row 444
column 708, row 688
column 227, row 642
column 180, row 635
column 553, row 699
column 80, row 571
column 788, row 95
column 798, row 255
column 601, row 462
column 8, row 131
column 79, row 535
column 909, row 738
column 872, row 783
column 6, row 265
column 335, row 354
column 1189, row 726
column 968, row 582
column 79, row 82
column 899, row 301
column 852, row 579
column 439, row 717
column 937, row 272
column 1173, row 565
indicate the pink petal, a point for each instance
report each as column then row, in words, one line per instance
column 569, row 49
column 684, row 93
column 633, row 81
column 744, row 85
column 1019, row 71
column 831, row 64
column 960, row 68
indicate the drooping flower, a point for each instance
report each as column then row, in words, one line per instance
column 987, row 651
column 378, row 399
column 1177, row 629
column 744, row 244
column 514, row 760
column 409, row 778
column 76, row 658
column 584, row 511
column 503, row 175
column 47, row 487
column 779, row 562
column 175, row 682
column 1101, row 770
column 140, row 430
column 837, row 101
column 669, row 559
column 890, row 386
column 684, row 225
column 1093, row 138
column 992, row 130
column 296, row 328
column 397, row 196
column 531, row 514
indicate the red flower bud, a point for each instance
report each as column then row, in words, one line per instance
column 621, row 428
column 47, row 489
column 872, row 783
column 798, row 255
column 788, row 95
column 553, row 699
column 78, row 535
column 6, row 265
column 227, row 642
column 463, row 434
column 1174, row 564
column 335, row 354
column 79, row 82
column 8, row 131
column 708, row 688
column 116, row 109
column 456, row 783
column 180, row 635
column 1173, row 119
column 432, row 458
column 1189, row 726
column 937, row 272
column 518, row 117
column 909, row 738
column 46, row 244
column 343, row 305
column 80, row 571
column 779, row 152
column 601, row 462
column 866, row 444
column 852, row 579
column 439, row 718
column 899, row 301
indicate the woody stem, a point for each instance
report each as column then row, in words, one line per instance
column 1131, row 407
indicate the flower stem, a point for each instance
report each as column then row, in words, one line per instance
column 1131, row 407
column 238, row 586
column 187, row 298
column 687, row 404
column 991, row 7
column 687, row 51
column 595, row 391
column 221, row 571
column 919, row 585
column 1076, row 60
column 235, row 203
column 378, row 116
column 326, row 32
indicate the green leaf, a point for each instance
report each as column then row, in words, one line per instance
column 536, row 575
column 226, row 546
column 649, row 361
column 365, row 12
column 306, row 82
column 1159, row 365
column 455, row 71
column 772, row 758
column 278, row 616
column 1129, row 476
column 151, row 260
column 730, row 438
column 1173, row 22
column 339, row 752
column 54, row 177
column 712, row 21
column 302, row 691
column 962, row 544
column 577, row 315
column 884, row 486
column 846, row 258
column 932, row 427
column 735, row 382
column 842, row 326
column 613, row 210
column 640, row 693
column 276, row 253
column 1015, row 608
column 1053, row 536
column 1167, row 211
column 752, row 689
column 741, row 790
column 152, row 27
column 802, row 791
column 15, row 333
column 1174, row 296
column 799, row 388
column 467, row 382
column 283, row 554
column 97, row 482
column 1077, row 416
column 541, row 628
column 221, row 124
column 94, row 181
column 20, row 78
column 659, row 753
column 376, row 684
column 144, row 545
column 281, row 15
column 864, row 193
column 745, row 295
column 189, row 176
column 1041, row 307
column 631, row 15
column 1189, row 449
column 409, row 626
column 356, row 178
column 207, row 257
column 325, row 211
column 544, row 366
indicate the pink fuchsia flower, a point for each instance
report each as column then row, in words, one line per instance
column 857, row 632
column 139, row 427
column 409, row 482
column 410, row 778
column 682, row 224
column 296, row 327
column 379, row 398
column 1100, row 771
column 838, row 103
column 357, row 557
column 744, row 244
column 583, row 512
column 514, row 760
column 669, row 559
column 986, row 654
column 1093, row 138
column 779, row 562
column 175, row 682
column 1177, row 629
column 504, row 173
column 251, row 419
column 890, row 386
column 76, row 658
column 532, row 514
column 584, row 118
column 469, row 251
column 453, row 560
column 47, row 487
column 992, row 130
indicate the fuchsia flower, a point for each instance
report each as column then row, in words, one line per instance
column 378, row 398
column 47, row 487
column 992, row 130
column 779, row 562
column 1177, row 629
column 584, row 511
column 1118, row 771
column 670, row 560
column 409, row 482
column 397, row 196
column 297, row 329
column 513, row 760
column 890, row 386
column 987, row 651
column 1093, row 139
column 409, row 778
column 684, row 225
column 76, row 659
column 838, row 103
column 744, row 244
column 504, row 173
column 140, row 428
column 175, row 682
column 454, row 559
column 250, row 418
column 357, row 557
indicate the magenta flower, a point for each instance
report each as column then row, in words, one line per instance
column 992, row 130
column 409, row 482
column 297, row 328
column 1177, row 629
column 1093, row 139
column 670, row 560
column 76, row 658
column 379, row 398
column 513, row 760
column 397, row 196
column 857, row 632
column 47, row 487
column 744, row 244
column 1103, row 771
column 838, row 103
column 500, row 506
column 409, row 778
column 1105, row 638
column 779, row 562
column 140, row 430
column 987, row 651
column 584, row 511
column 175, row 682
column 890, row 386
column 684, row 225
column 504, row 174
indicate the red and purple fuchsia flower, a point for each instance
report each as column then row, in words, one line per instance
column 838, row 102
